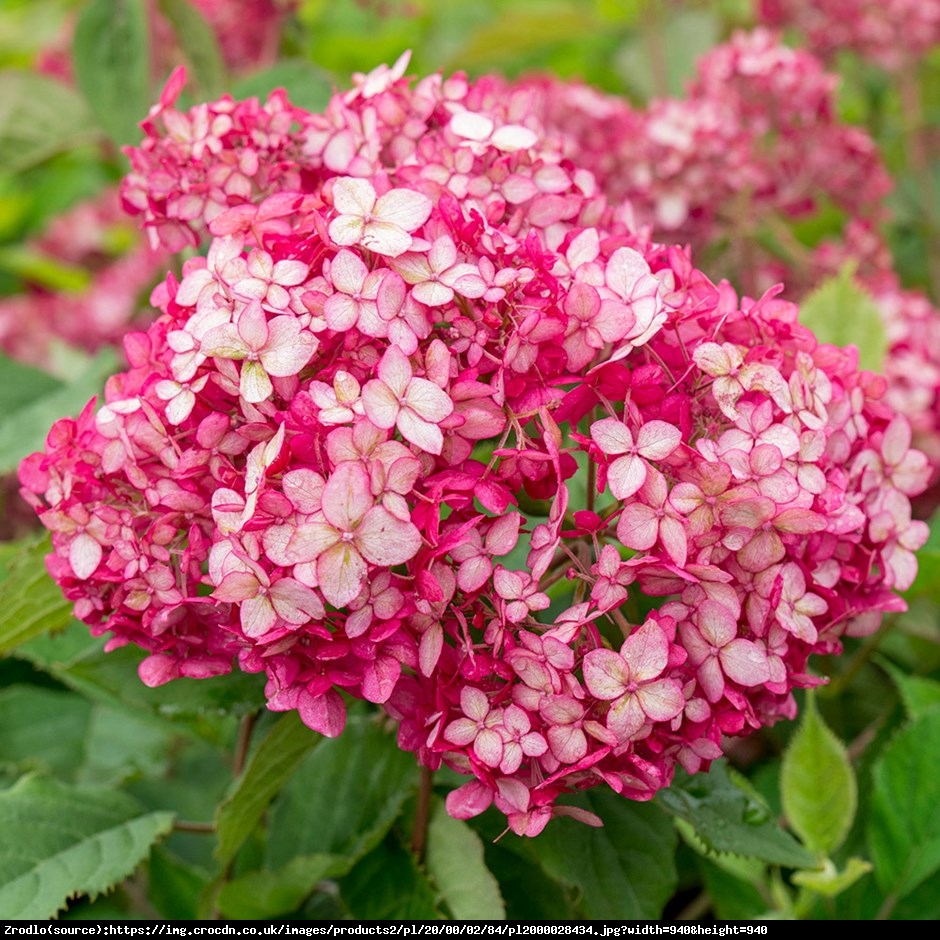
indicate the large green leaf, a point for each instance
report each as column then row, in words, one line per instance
column 817, row 784
column 841, row 312
column 729, row 818
column 387, row 884
column 39, row 117
column 61, row 841
column 33, row 603
column 111, row 55
column 20, row 384
column 918, row 693
column 904, row 824
column 205, row 706
column 24, row 430
column 43, row 729
column 200, row 46
column 528, row 893
column 270, row 767
column 626, row 869
column 343, row 798
column 175, row 885
column 455, row 861
column 263, row 894
column 120, row 745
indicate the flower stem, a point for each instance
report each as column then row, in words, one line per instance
column 419, row 835
column 912, row 114
column 245, row 729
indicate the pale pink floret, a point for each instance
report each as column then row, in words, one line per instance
column 716, row 650
column 381, row 224
column 436, row 275
column 263, row 603
column 268, row 281
column 351, row 533
column 478, row 728
column 278, row 347
column 651, row 519
column 399, row 398
column 356, row 301
column 656, row 440
column 478, row 131
column 631, row 681
column 733, row 377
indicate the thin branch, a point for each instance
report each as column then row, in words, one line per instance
column 419, row 835
column 245, row 729
column 202, row 828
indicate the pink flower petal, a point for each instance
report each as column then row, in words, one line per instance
column 606, row 674
column 385, row 540
column 84, row 555
column 626, row 475
column 420, row 433
column 341, row 573
column 353, row 195
column 638, row 527
column 656, row 440
column 405, row 208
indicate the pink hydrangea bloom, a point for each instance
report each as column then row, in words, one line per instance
column 279, row 482
column 891, row 33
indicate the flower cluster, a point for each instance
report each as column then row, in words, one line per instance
column 433, row 425
column 755, row 146
column 891, row 33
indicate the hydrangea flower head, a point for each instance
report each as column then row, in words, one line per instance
column 349, row 453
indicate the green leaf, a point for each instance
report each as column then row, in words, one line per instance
column 841, row 312
column 24, row 431
column 33, row 603
column 306, row 86
column 904, row 825
column 343, row 798
column 263, row 894
column 270, row 767
column 200, row 45
column 112, row 678
column 455, row 861
column 918, row 693
column 61, row 841
column 39, row 269
column 729, row 818
column 731, row 897
column 43, row 729
column 387, row 884
column 528, row 893
column 111, row 55
column 39, row 117
column 830, row 881
column 120, row 745
column 626, row 869
column 175, row 886
column 817, row 784
column 205, row 706
column 743, row 868
column 20, row 384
